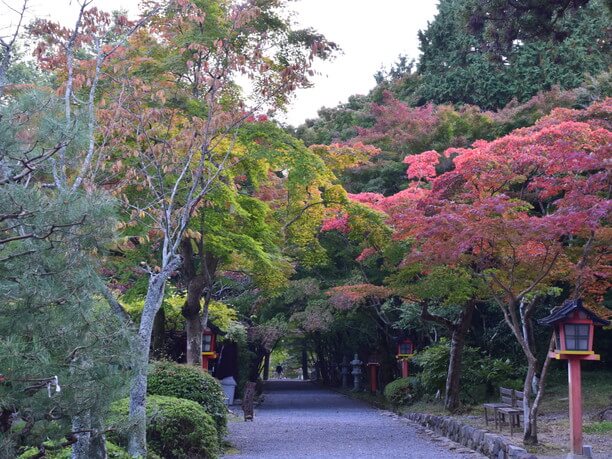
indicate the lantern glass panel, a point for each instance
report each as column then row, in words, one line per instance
column 207, row 343
column 405, row 348
column 576, row 337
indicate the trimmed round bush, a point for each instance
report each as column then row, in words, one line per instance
column 403, row 391
column 191, row 383
column 176, row 428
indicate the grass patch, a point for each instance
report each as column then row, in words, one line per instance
column 596, row 391
column 601, row 427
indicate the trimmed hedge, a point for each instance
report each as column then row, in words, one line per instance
column 191, row 383
column 403, row 391
column 176, row 428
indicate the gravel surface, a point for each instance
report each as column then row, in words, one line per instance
column 301, row 420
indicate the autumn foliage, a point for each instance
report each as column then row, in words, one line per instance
column 521, row 210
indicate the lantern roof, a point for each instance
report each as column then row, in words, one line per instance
column 213, row 328
column 562, row 312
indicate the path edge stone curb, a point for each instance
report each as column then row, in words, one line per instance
column 487, row 443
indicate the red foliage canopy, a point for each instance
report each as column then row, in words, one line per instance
column 522, row 209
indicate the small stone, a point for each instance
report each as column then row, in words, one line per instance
column 514, row 452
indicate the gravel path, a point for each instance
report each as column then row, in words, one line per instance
column 301, row 420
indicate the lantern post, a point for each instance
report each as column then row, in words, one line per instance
column 405, row 351
column 209, row 347
column 374, row 366
column 574, row 329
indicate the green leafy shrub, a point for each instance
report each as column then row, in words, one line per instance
column 176, row 428
column 192, row 383
column 403, row 391
column 480, row 375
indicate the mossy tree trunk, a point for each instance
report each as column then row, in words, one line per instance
column 199, row 271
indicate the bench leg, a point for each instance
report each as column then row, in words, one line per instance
column 486, row 418
column 511, row 424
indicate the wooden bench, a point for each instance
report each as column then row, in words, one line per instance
column 514, row 412
column 506, row 400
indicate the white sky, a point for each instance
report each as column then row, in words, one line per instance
column 372, row 34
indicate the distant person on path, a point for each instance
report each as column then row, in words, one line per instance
column 279, row 371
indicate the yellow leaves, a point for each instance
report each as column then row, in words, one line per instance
column 221, row 314
column 335, row 194
column 192, row 234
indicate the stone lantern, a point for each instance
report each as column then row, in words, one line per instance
column 356, row 364
column 574, row 327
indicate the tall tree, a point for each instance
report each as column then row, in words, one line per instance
column 55, row 332
column 521, row 213
column 465, row 62
column 179, row 116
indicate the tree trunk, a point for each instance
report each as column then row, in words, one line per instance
column 266, row 368
column 137, row 441
column 159, row 333
column 193, row 329
column 91, row 441
column 193, row 321
column 97, row 443
column 453, row 377
column 199, row 282
column 517, row 314
column 82, row 425
column 97, row 447
column 323, row 370
column 530, row 433
column 305, row 374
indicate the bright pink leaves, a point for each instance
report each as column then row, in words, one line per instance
column 511, row 205
column 365, row 254
column 422, row 166
column 338, row 223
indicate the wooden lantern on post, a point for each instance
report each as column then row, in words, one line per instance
column 405, row 351
column 574, row 329
column 209, row 347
